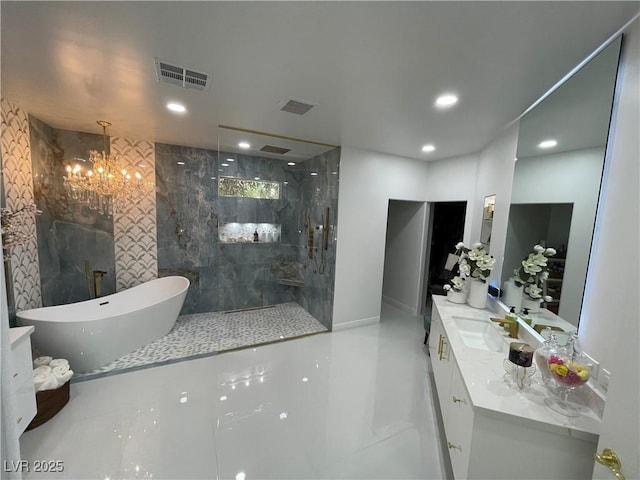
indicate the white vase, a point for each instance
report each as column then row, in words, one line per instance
column 533, row 305
column 513, row 295
column 478, row 291
column 457, row 297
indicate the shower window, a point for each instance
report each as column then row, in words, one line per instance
column 248, row 188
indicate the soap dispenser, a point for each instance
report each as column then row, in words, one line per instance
column 525, row 316
column 256, row 237
column 510, row 318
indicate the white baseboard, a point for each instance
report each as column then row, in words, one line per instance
column 363, row 322
column 399, row 305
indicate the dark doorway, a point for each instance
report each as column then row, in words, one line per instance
column 446, row 229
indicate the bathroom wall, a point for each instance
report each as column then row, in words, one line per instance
column 404, row 255
column 367, row 181
column 495, row 177
column 453, row 180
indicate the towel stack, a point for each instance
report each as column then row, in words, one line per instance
column 49, row 373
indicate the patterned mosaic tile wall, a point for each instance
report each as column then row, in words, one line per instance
column 18, row 193
column 69, row 233
column 134, row 230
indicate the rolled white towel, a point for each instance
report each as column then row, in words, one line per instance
column 46, row 369
column 59, row 362
column 60, row 370
column 62, row 378
column 40, row 361
column 50, row 383
column 39, row 379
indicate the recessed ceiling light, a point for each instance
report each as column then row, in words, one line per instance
column 180, row 163
column 291, row 164
column 428, row 148
column 224, row 164
column 547, row 143
column 244, row 145
column 314, row 173
column 176, row 107
column 231, row 159
column 446, row 100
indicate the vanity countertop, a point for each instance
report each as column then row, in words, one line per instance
column 483, row 376
column 16, row 334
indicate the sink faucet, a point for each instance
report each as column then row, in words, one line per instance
column 512, row 325
column 97, row 282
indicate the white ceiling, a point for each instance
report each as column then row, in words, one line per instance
column 373, row 68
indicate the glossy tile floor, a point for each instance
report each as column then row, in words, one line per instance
column 352, row 404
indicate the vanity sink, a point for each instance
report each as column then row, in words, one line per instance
column 480, row 334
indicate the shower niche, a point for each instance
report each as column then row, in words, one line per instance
column 235, row 232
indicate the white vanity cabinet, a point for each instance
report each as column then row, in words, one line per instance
column 492, row 430
column 440, row 356
column 22, row 376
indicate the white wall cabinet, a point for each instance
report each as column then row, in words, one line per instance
column 22, row 377
column 493, row 431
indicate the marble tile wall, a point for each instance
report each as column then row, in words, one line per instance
column 224, row 276
column 317, row 194
column 69, row 233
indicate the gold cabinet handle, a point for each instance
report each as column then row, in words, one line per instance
column 440, row 340
column 452, row 446
column 609, row 459
column 459, row 400
column 444, row 340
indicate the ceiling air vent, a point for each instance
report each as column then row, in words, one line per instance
column 272, row 149
column 180, row 76
column 297, row 106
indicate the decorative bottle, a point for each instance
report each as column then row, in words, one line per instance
column 541, row 355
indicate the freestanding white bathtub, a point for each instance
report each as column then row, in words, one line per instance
column 93, row 333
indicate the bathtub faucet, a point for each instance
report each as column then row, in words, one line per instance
column 97, row 282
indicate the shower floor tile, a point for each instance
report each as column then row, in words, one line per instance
column 204, row 334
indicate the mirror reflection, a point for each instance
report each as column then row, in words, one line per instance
column 559, row 166
column 487, row 221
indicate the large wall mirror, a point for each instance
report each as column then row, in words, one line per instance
column 559, row 166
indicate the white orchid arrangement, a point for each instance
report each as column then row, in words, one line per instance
column 475, row 262
column 533, row 272
column 456, row 284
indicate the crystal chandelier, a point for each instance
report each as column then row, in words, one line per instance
column 104, row 185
